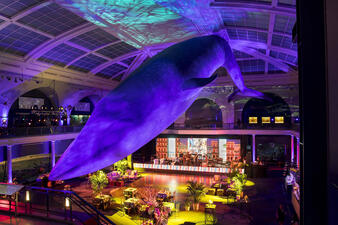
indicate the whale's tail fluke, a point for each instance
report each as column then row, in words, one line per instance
column 247, row 92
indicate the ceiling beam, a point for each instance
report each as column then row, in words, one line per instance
column 48, row 45
column 266, row 58
column 284, row 50
column 118, row 74
column 23, row 14
column 271, row 27
column 259, row 45
column 112, row 61
column 30, row 10
column 259, row 30
column 136, row 63
column 257, row 7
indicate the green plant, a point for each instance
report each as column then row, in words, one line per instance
column 239, row 182
column 98, row 181
column 121, row 166
column 196, row 191
column 187, row 203
column 233, row 173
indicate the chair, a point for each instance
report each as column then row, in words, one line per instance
column 220, row 192
column 98, row 203
column 211, row 191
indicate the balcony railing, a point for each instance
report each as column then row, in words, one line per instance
column 232, row 126
column 60, row 205
column 39, row 131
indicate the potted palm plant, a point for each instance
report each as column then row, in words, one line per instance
column 196, row 191
column 187, row 204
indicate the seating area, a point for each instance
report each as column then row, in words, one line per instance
column 116, row 179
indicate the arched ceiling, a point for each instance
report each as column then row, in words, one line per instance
column 91, row 42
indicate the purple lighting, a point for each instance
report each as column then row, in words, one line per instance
column 146, row 103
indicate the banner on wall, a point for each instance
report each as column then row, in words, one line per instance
column 82, row 107
column 29, row 103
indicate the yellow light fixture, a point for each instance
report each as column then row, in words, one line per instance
column 252, row 119
column 266, row 119
column 67, row 202
column 279, row 119
column 28, row 198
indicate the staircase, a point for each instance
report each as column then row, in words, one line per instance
column 59, row 205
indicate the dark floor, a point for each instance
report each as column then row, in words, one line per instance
column 23, row 220
column 265, row 198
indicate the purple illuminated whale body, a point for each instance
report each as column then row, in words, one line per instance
column 146, row 103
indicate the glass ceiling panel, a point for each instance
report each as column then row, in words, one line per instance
column 10, row 8
column 52, row 19
column 18, row 40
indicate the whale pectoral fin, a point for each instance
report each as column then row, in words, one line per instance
column 233, row 95
column 247, row 92
column 198, row 82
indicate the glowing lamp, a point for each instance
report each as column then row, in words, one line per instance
column 28, row 198
column 210, row 201
column 67, row 202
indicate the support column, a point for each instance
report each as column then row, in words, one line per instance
column 68, row 120
column 9, row 164
column 52, row 153
column 253, row 148
column 292, row 149
column 297, row 152
column 228, row 113
column 68, row 111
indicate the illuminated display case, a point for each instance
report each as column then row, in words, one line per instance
column 266, row 119
column 253, row 120
column 279, row 119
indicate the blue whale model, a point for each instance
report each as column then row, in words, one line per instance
column 147, row 102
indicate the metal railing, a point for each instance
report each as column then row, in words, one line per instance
column 58, row 205
column 232, row 126
column 37, row 131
